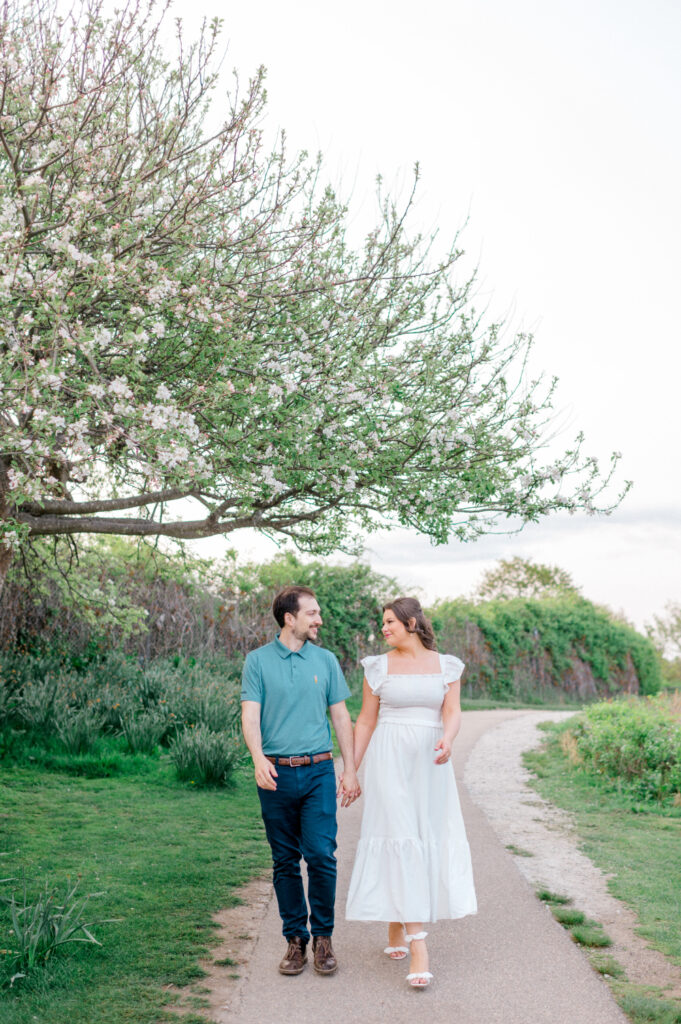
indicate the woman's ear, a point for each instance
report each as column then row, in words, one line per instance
column 412, row 625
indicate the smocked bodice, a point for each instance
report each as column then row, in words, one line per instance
column 413, row 699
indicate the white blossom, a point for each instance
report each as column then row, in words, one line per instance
column 119, row 386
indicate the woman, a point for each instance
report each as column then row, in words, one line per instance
column 413, row 862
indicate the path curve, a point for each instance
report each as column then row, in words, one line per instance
column 510, row 964
column 499, row 783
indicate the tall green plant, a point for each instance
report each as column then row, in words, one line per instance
column 43, row 925
column 204, row 757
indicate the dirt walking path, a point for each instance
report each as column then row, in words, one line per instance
column 510, row 964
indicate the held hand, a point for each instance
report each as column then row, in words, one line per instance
column 445, row 748
column 265, row 774
column 348, row 788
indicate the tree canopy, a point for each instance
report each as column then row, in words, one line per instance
column 522, row 577
column 182, row 316
column 666, row 630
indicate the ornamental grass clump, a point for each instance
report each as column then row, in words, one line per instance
column 634, row 741
column 202, row 694
column 78, row 728
column 42, row 926
column 145, row 730
column 8, row 702
column 204, row 757
column 37, row 702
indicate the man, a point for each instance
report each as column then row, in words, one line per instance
column 287, row 687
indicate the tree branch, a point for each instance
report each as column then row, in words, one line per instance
column 74, row 508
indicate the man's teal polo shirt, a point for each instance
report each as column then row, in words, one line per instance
column 294, row 689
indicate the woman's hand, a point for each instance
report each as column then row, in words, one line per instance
column 445, row 748
column 348, row 788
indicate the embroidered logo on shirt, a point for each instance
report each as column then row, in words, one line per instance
column 315, row 679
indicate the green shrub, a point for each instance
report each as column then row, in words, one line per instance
column 38, row 700
column 143, row 730
column 635, row 740
column 112, row 695
column 560, row 628
column 78, row 728
column 200, row 692
column 204, row 757
column 8, row 703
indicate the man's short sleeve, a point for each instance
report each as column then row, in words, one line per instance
column 251, row 680
column 338, row 689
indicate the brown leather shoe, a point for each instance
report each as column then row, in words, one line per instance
column 324, row 960
column 295, row 959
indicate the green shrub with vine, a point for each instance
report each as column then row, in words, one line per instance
column 562, row 628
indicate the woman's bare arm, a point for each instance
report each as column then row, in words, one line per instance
column 366, row 722
column 451, row 721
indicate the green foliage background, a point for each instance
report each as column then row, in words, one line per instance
column 561, row 627
column 145, row 603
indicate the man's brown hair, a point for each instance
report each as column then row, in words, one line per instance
column 287, row 601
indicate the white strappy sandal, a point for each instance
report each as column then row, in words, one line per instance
column 393, row 950
column 420, row 979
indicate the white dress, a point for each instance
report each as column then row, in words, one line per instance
column 413, row 862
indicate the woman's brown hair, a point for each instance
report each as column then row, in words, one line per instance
column 408, row 608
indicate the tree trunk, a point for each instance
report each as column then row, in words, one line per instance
column 5, row 562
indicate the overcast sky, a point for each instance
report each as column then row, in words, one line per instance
column 553, row 126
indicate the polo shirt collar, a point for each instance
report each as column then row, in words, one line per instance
column 284, row 652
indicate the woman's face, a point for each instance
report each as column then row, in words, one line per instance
column 394, row 631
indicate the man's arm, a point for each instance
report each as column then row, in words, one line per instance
column 265, row 772
column 342, row 724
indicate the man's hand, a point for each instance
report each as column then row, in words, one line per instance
column 265, row 773
column 348, row 788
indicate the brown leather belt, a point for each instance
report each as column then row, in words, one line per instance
column 298, row 762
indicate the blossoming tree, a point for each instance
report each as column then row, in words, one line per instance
column 182, row 316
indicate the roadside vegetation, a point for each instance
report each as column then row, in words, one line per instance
column 615, row 768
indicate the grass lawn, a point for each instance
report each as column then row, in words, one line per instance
column 165, row 856
column 639, row 843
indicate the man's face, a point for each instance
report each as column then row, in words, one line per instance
column 307, row 620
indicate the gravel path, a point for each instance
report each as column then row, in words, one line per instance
column 498, row 783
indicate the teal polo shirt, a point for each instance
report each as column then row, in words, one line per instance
column 294, row 689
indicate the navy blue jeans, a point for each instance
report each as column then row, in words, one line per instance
column 300, row 821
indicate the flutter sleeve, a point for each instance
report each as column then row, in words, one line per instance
column 374, row 670
column 452, row 668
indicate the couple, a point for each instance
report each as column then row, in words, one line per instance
column 412, row 863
